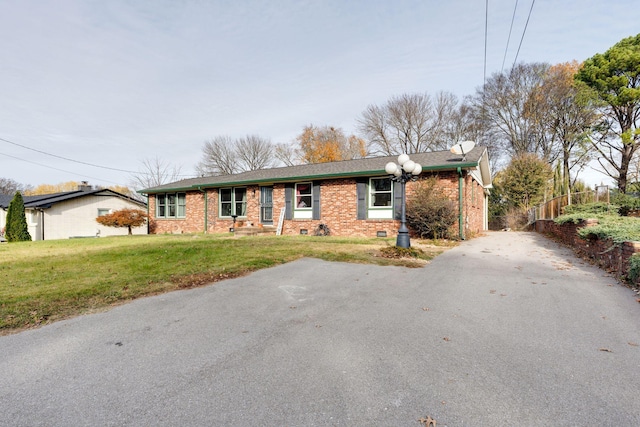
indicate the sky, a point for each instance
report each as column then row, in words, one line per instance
column 90, row 89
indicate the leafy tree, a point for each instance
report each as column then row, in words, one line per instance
column 430, row 212
column 328, row 144
column 52, row 188
column 563, row 116
column 614, row 77
column 124, row 218
column 16, row 228
column 409, row 123
column 223, row 155
column 524, row 182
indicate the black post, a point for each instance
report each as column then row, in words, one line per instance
column 403, row 240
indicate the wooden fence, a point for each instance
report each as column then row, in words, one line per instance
column 555, row 207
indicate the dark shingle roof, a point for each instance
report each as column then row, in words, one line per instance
column 432, row 161
column 45, row 201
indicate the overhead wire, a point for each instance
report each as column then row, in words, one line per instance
column 74, row 161
column 66, row 158
column 61, row 170
column 513, row 18
column 523, row 32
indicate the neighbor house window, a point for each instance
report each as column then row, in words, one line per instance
column 304, row 201
column 380, row 198
column 233, row 201
column 171, row 205
column 103, row 212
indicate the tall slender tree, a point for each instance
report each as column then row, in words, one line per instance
column 615, row 78
column 16, row 228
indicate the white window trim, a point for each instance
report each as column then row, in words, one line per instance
column 378, row 211
column 303, row 212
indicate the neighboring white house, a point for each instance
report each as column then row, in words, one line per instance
column 72, row 213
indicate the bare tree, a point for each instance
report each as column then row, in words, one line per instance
column 408, row 123
column 225, row 156
column 218, row 157
column 501, row 104
column 155, row 172
column 9, row 187
column 287, row 154
column 255, row 153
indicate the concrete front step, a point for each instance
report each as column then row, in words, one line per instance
column 254, row 231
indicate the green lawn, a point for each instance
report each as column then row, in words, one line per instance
column 51, row 280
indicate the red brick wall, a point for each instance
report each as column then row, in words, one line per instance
column 338, row 210
column 608, row 255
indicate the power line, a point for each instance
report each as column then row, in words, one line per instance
column 66, row 158
column 523, row 32
column 513, row 18
column 486, row 30
column 61, row 170
column 75, row 161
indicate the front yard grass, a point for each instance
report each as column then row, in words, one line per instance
column 47, row 281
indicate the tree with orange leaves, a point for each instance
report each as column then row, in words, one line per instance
column 329, row 144
column 562, row 116
column 124, row 218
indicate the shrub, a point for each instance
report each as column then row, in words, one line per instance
column 17, row 229
column 430, row 213
column 124, row 218
column 626, row 204
column 634, row 268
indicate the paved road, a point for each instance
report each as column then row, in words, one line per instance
column 508, row 329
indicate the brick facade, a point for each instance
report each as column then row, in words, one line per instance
column 338, row 210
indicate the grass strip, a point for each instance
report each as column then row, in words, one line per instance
column 47, row 281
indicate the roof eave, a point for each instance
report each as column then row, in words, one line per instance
column 297, row 178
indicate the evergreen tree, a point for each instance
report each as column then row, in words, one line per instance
column 17, row 230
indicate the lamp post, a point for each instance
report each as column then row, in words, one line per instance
column 405, row 170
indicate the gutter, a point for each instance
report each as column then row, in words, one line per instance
column 286, row 179
column 460, row 204
column 206, row 208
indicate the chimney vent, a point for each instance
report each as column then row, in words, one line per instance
column 84, row 186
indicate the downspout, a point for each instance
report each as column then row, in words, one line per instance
column 148, row 216
column 460, row 205
column 42, row 218
column 206, row 209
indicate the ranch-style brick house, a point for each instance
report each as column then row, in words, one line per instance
column 351, row 197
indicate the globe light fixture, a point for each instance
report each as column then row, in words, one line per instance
column 405, row 170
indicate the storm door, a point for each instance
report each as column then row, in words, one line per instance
column 266, row 205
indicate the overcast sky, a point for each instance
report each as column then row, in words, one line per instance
column 112, row 83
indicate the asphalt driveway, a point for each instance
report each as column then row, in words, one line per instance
column 507, row 329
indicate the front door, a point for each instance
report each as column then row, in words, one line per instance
column 266, row 205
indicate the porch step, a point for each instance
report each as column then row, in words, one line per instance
column 254, row 231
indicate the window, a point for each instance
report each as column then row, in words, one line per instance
column 303, row 208
column 380, row 198
column 103, row 212
column 303, row 196
column 233, row 201
column 171, row 205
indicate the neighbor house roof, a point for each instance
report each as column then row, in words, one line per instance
column 431, row 161
column 45, row 201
